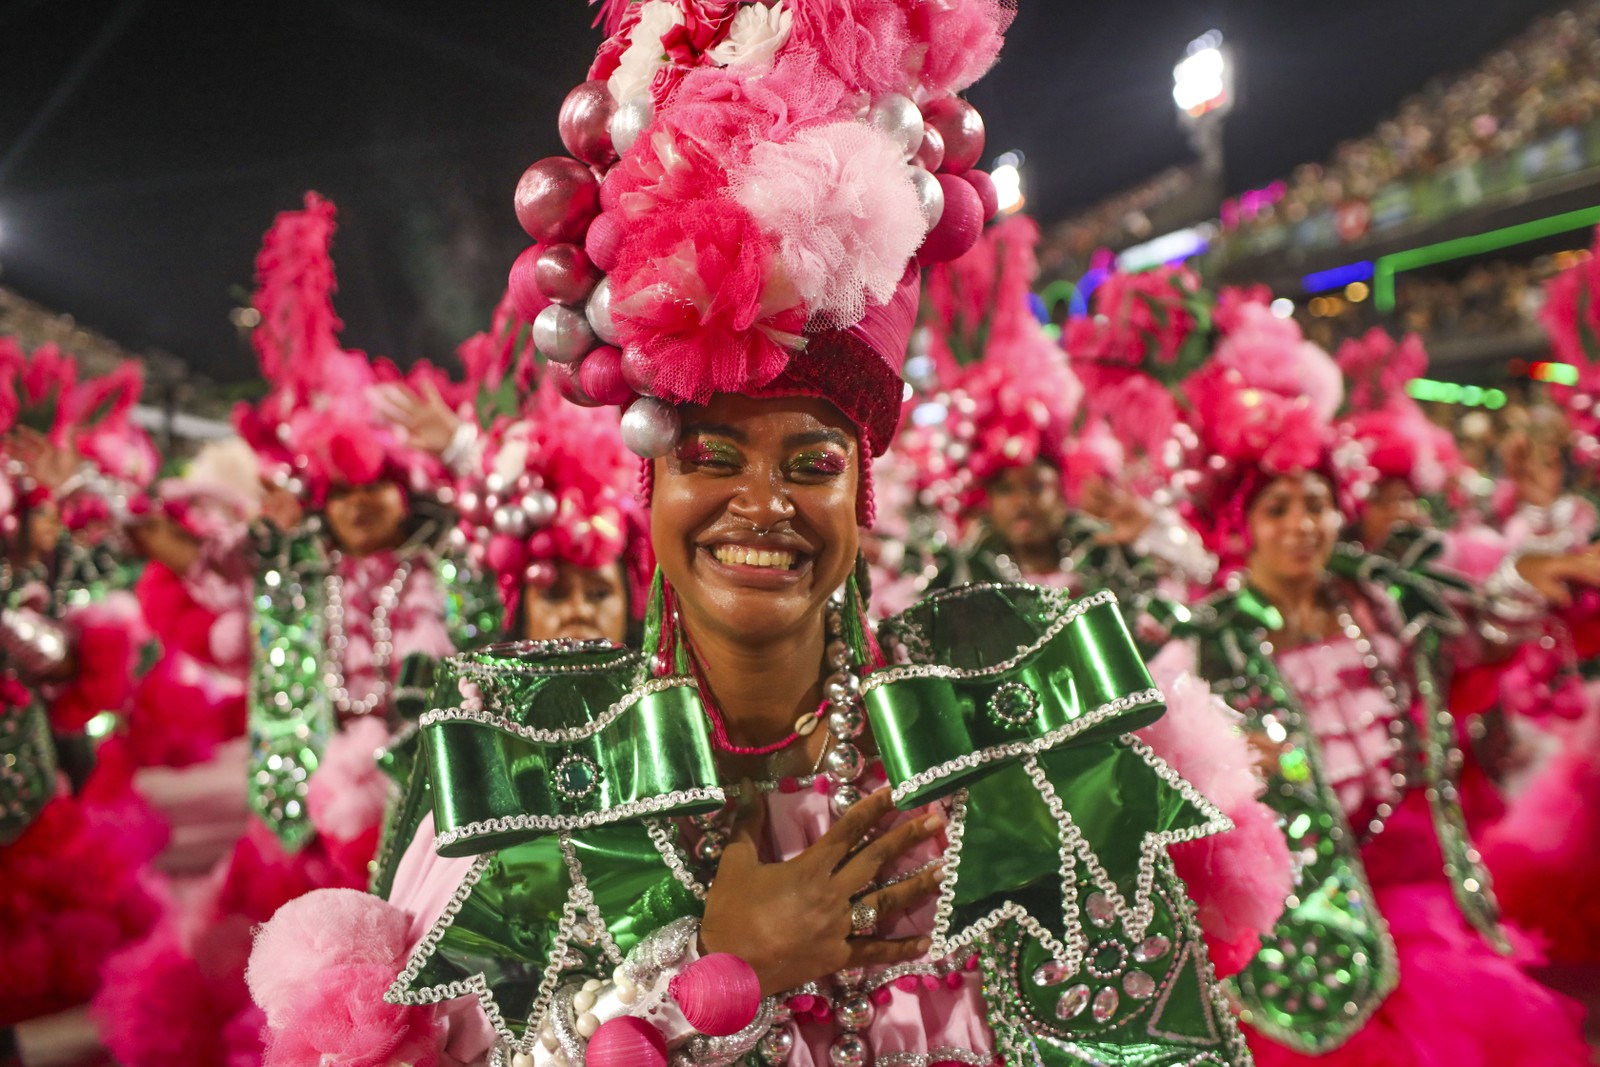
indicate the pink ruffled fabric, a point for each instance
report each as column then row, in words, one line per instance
column 417, row 622
column 75, row 888
column 109, row 637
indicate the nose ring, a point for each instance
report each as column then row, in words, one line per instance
column 758, row 531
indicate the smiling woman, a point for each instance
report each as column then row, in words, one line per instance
column 766, row 835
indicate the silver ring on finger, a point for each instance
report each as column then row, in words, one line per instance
column 863, row 919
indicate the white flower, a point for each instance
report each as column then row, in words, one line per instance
column 511, row 459
column 757, row 33
column 645, row 54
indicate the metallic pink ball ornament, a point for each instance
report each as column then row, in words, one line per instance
column 930, row 154
column 930, row 195
column 958, row 227
column 585, row 123
column 987, row 193
column 565, row 275
column 562, row 334
column 539, row 574
column 959, row 123
column 556, row 198
column 650, row 427
column 524, row 286
column 603, row 243
column 564, row 376
column 630, row 120
column 637, row 371
column 897, row 116
column 599, row 312
column 601, row 376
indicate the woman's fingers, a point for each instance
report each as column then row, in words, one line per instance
column 903, row 896
column 747, row 828
column 843, row 836
column 864, row 866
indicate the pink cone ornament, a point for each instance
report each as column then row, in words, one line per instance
column 524, row 285
column 599, row 312
column 897, row 116
column 958, row 227
column 603, row 243
column 562, row 334
column 564, row 376
column 585, row 123
column 959, row 123
column 565, row 274
column 650, row 427
column 626, row 1041
column 719, row 994
column 987, row 193
column 631, row 119
column 556, row 198
column 601, row 376
column 930, row 156
column 930, row 195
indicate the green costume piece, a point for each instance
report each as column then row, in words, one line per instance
column 1330, row 963
column 559, row 764
column 291, row 715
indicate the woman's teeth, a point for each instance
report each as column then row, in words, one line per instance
column 754, row 557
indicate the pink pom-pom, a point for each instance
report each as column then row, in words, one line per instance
column 959, row 123
column 987, row 193
column 326, row 928
column 600, row 376
column 1199, row 737
column 524, row 285
column 348, row 794
column 556, row 198
column 958, row 227
column 1239, row 882
column 626, row 1042
column 719, row 994
column 603, row 242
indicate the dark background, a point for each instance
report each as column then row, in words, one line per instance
column 146, row 144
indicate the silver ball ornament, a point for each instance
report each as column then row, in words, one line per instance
column 539, row 506
column 709, row 848
column 650, row 427
column 838, row 655
column 631, row 119
column 847, row 722
column 775, row 1047
column 510, row 521
column 854, row 1012
column 898, row 117
column 849, row 1050
column 841, row 688
column 598, row 311
column 494, row 482
column 845, row 762
column 843, row 798
column 930, row 195
column 562, row 334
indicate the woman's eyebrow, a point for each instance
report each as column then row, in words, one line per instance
column 817, row 437
column 717, row 429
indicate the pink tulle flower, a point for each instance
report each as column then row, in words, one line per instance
column 348, row 793
column 1271, row 353
column 693, row 296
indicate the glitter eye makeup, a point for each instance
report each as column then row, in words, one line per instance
column 820, row 461
column 709, row 453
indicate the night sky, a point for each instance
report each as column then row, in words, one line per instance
column 146, row 144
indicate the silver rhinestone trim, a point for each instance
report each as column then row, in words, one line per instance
column 526, row 822
column 555, row 737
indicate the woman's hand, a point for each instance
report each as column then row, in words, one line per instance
column 427, row 422
column 1126, row 515
column 1551, row 575
column 47, row 464
column 1267, row 752
column 790, row 921
column 280, row 507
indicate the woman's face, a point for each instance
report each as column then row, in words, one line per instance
column 367, row 518
column 582, row 603
column 753, row 515
column 1391, row 503
column 1293, row 528
column 1026, row 506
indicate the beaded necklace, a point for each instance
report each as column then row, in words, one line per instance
column 382, row 637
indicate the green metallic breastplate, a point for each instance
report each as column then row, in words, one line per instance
column 558, row 766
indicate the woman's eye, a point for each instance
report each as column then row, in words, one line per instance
column 710, row 454
column 599, row 593
column 816, row 465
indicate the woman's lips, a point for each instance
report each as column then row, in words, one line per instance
column 755, row 575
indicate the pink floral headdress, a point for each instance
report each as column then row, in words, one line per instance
column 1011, row 397
column 317, row 427
column 554, row 485
column 1260, row 408
column 1385, row 434
column 752, row 184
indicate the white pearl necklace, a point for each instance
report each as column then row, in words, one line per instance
column 382, row 638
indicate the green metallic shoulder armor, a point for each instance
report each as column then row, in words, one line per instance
column 556, row 767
